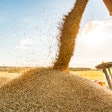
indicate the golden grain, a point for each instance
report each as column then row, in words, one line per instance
column 68, row 34
column 54, row 91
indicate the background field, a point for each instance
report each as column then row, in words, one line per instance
column 10, row 73
column 92, row 75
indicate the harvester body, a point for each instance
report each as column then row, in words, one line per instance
column 107, row 70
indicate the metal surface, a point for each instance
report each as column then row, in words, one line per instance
column 108, row 79
column 106, row 67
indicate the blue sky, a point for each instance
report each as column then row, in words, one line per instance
column 29, row 31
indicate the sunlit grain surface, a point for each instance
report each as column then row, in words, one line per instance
column 6, row 77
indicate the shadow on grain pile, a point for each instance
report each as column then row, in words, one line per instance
column 47, row 90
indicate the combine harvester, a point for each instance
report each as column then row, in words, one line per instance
column 107, row 70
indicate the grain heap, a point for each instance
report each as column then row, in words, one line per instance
column 3, row 80
column 54, row 91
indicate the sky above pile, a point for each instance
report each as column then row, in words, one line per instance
column 29, row 32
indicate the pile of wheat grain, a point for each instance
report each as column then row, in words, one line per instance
column 54, row 91
column 3, row 80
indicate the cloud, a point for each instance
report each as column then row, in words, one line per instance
column 90, row 26
column 101, row 26
column 97, row 31
column 94, row 43
column 25, row 44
